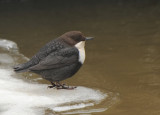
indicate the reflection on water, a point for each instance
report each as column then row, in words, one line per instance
column 123, row 57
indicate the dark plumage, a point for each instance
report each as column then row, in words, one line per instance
column 57, row 60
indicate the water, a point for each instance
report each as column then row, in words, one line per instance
column 122, row 64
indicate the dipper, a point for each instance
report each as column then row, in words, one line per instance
column 59, row 59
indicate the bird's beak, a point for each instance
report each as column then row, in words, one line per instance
column 89, row 38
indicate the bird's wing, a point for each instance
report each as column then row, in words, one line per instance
column 50, row 47
column 58, row 59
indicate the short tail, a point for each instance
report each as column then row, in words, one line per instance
column 20, row 68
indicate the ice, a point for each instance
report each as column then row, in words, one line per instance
column 86, row 112
column 76, row 106
column 22, row 97
column 5, row 58
column 8, row 45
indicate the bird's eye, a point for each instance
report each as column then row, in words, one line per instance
column 77, row 38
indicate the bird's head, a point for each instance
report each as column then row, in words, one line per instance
column 74, row 37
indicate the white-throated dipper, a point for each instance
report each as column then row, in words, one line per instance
column 59, row 59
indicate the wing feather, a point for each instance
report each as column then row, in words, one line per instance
column 59, row 59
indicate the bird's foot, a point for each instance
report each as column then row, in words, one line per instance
column 52, row 86
column 67, row 87
column 57, row 85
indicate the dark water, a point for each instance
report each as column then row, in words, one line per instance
column 124, row 57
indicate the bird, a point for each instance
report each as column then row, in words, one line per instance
column 58, row 60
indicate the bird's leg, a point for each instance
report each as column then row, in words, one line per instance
column 53, row 85
column 58, row 84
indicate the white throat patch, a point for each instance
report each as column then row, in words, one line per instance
column 80, row 46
